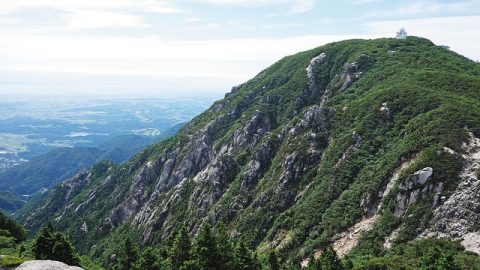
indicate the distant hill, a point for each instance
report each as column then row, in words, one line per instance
column 46, row 171
column 123, row 147
column 10, row 202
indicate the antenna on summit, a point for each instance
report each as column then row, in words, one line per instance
column 402, row 34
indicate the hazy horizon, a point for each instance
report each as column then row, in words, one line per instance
column 154, row 48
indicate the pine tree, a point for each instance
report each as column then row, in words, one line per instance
column 51, row 245
column 328, row 261
column 64, row 251
column 242, row 257
column 15, row 230
column 244, row 260
column 21, row 250
column 206, row 251
column 149, row 260
column 226, row 253
column 43, row 246
column 293, row 265
column 181, row 248
column 128, row 256
column 273, row 261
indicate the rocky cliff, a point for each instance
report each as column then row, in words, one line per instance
column 360, row 144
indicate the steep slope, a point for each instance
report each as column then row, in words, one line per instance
column 46, row 171
column 357, row 135
column 9, row 202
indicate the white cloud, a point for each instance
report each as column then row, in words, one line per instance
column 213, row 63
column 217, row 64
column 429, row 8
column 49, row 52
column 11, row 6
column 94, row 19
column 55, row 15
column 193, row 20
column 361, row 2
column 294, row 6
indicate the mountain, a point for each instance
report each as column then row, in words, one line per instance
column 10, row 202
column 359, row 144
column 45, row 171
column 122, row 148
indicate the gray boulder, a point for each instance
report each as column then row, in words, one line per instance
column 46, row 265
column 415, row 187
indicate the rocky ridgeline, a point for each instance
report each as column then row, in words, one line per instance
column 269, row 158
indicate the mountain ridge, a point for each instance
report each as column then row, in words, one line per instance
column 43, row 172
column 295, row 157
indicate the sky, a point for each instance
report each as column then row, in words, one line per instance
column 166, row 47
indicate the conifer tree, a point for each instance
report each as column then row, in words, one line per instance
column 64, row 251
column 181, row 248
column 273, row 261
column 244, row 260
column 128, row 256
column 256, row 264
column 149, row 260
column 429, row 260
column 43, row 246
column 15, row 230
column 226, row 253
column 206, row 249
column 329, row 260
column 51, row 245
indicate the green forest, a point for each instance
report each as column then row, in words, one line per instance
column 271, row 175
column 215, row 249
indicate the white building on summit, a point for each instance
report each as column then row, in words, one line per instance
column 402, row 34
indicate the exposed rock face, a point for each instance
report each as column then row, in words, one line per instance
column 414, row 187
column 388, row 243
column 254, row 129
column 234, row 89
column 352, row 71
column 62, row 195
column 46, row 265
column 344, row 242
column 312, row 86
column 459, row 217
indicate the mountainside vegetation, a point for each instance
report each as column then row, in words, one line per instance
column 355, row 148
column 19, row 183
column 16, row 248
column 10, row 202
column 47, row 170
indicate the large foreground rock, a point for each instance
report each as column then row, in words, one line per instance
column 46, row 265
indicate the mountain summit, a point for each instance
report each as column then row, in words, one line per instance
column 359, row 144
